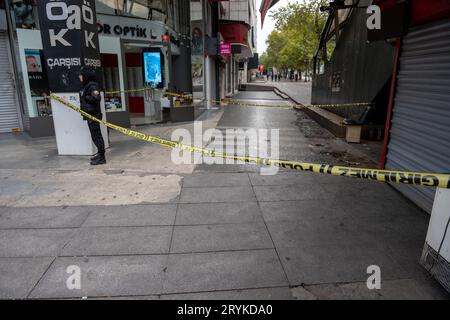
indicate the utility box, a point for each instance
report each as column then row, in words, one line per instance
column 71, row 131
column 436, row 252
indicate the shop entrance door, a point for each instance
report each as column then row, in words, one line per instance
column 138, row 99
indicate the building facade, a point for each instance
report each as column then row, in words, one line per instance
column 187, row 33
column 215, row 73
column 238, row 26
column 126, row 29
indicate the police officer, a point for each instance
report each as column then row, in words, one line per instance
column 90, row 102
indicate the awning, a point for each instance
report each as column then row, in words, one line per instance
column 236, row 33
column 265, row 6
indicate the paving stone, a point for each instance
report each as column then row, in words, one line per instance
column 331, row 263
column 290, row 178
column 220, row 194
column 246, row 294
column 33, row 242
column 132, row 215
column 301, row 293
column 402, row 289
column 227, row 168
column 407, row 253
column 295, row 234
column 104, row 277
column 301, row 210
column 215, row 213
column 220, row 237
column 258, row 118
column 216, row 180
column 118, row 241
column 362, row 207
column 19, row 275
column 43, row 217
column 372, row 189
column 265, row 95
column 385, row 229
column 286, row 193
column 223, row 271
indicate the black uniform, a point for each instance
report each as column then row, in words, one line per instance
column 90, row 99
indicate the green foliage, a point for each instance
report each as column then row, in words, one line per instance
column 296, row 36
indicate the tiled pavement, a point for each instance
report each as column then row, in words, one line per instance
column 231, row 233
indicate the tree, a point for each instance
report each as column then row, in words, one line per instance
column 296, row 37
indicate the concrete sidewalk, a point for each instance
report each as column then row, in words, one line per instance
column 299, row 91
column 144, row 228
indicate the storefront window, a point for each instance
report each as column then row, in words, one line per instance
column 108, row 6
column 144, row 9
column 111, row 82
column 37, row 79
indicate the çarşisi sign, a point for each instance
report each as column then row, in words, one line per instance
column 69, row 40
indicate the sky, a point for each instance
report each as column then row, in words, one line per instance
column 269, row 24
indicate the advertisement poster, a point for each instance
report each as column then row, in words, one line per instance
column 152, row 68
column 197, row 58
column 33, row 59
column 197, row 70
column 37, row 79
column 36, row 71
column 197, row 41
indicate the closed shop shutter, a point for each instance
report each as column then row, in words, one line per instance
column 9, row 119
column 420, row 127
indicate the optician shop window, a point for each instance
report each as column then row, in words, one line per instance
column 111, row 82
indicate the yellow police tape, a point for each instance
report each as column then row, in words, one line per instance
column 405, row 177
column 246, row 104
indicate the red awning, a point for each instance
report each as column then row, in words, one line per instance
column 265, row 6
column 235, row 32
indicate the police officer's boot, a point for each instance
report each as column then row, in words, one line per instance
column 95, row 156
column 99, row 160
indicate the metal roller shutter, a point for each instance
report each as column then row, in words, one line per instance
column 9, row 119
column 420, row 127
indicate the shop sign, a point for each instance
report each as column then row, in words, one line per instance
column 225, row 48
column 129, row 28
column 70, row 41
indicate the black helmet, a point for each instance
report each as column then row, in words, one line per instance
column 88, row 74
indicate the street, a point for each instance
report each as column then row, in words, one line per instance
column 143, row 227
